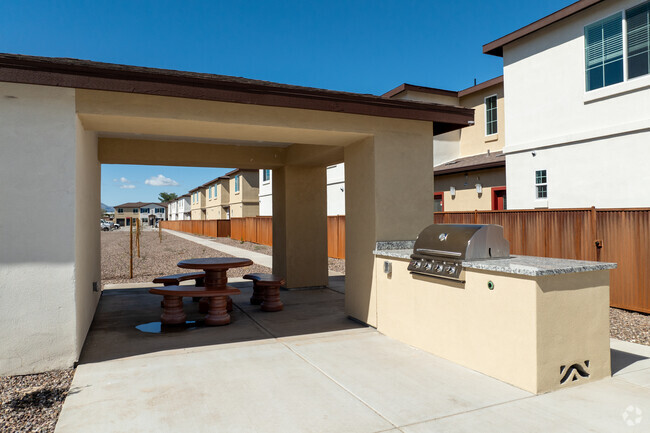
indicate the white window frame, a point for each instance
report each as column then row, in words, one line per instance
column 537, row 197
column 496, row 109
column 627, row 84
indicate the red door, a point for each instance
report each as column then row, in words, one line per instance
column 499, row 201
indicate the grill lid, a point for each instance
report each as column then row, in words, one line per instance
column 462, row 242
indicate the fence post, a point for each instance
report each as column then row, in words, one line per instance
column 131, row 249
column 475, row 216
column 596, row 245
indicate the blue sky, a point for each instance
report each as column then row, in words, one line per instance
column 364, row 46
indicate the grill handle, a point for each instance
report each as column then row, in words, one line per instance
column 439, row 252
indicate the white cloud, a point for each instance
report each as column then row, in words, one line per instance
column 160, row 180
column 127, row 186
column 122, row 180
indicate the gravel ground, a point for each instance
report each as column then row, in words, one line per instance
column 629, row 326
column 156, row 258
column 32, row 403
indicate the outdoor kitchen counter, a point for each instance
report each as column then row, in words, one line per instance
column 521, row 265
column 538, row 323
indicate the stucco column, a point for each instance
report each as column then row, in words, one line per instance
column 389, row 196
column 300, row 225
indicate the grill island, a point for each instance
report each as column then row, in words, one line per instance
column 538, row 323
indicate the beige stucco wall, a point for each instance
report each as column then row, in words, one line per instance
column 38, row 138
column 378, row 172
column 467, row 198
column 473, row 140
column 87, row 236
column 198, row 206
column 223, row 192
column 521, row 332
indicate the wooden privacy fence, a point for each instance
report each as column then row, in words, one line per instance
column 258, row 230
column 607, row 235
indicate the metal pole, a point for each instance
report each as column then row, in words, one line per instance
column 131, row 249
column 160, row 230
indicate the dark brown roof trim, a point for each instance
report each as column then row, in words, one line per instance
column 495, row 48
column 404, row 87
column 84, row 74
column 486, row 165
column 481, row 86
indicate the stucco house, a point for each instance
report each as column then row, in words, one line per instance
column 148, row 213
column 197, row 203
column 179, row 209
column 469, row 171
column 218, row 198
column 578, row 117
column 244, row 193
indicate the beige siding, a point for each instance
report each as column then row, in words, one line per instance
column 465, row 183
column 473, row 140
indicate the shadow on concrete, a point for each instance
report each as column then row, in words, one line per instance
column 114, row 334
column 621, row 360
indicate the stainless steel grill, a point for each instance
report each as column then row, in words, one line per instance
column 440, row 249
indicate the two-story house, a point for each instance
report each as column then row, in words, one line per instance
column 469, row 171
column 244, row 193
column 578, row 116
column 217, row 195
column 183, row 208
column 148, row 213
column 197, row 203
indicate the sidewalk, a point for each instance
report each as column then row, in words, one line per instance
column 260, row 259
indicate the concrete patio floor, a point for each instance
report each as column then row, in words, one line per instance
column 311, row 369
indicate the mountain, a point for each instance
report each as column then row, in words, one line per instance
column 107, row 208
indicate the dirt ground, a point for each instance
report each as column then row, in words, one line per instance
column 156, row 258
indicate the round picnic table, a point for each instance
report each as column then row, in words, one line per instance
column 215, row 269
column 216, row 280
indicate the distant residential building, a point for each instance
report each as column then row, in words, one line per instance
column 218, row 198
column 244, row 193
column 197, row 203
column 148, row 213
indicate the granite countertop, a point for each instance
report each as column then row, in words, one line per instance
column 520, row 265
column 537, row 266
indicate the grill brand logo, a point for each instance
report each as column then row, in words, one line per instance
column 443, row 237
column 632, row 416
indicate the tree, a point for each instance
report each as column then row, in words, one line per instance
column 167, row 196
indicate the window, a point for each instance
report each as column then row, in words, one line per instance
column 541, row 187
column 438, row 202
column 135, row 210
column 638, row 40
column 266, row 175
column 491, row 115
column 144, row 210
column 237, row 182
column 604, row 52
column 120, row 210
column 214, row 189
column 210, row 192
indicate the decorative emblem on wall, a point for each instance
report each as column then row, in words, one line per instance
column 574, row 372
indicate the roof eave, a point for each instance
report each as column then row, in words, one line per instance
column 495, row 48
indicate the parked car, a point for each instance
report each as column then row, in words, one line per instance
column 105, row 225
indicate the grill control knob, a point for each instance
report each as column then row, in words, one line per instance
column 427, row 266
column 438, row 268
column 451, row 270
column 416, row 265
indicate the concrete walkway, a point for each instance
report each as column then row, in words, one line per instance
column 310, row 369
column 260, row 259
